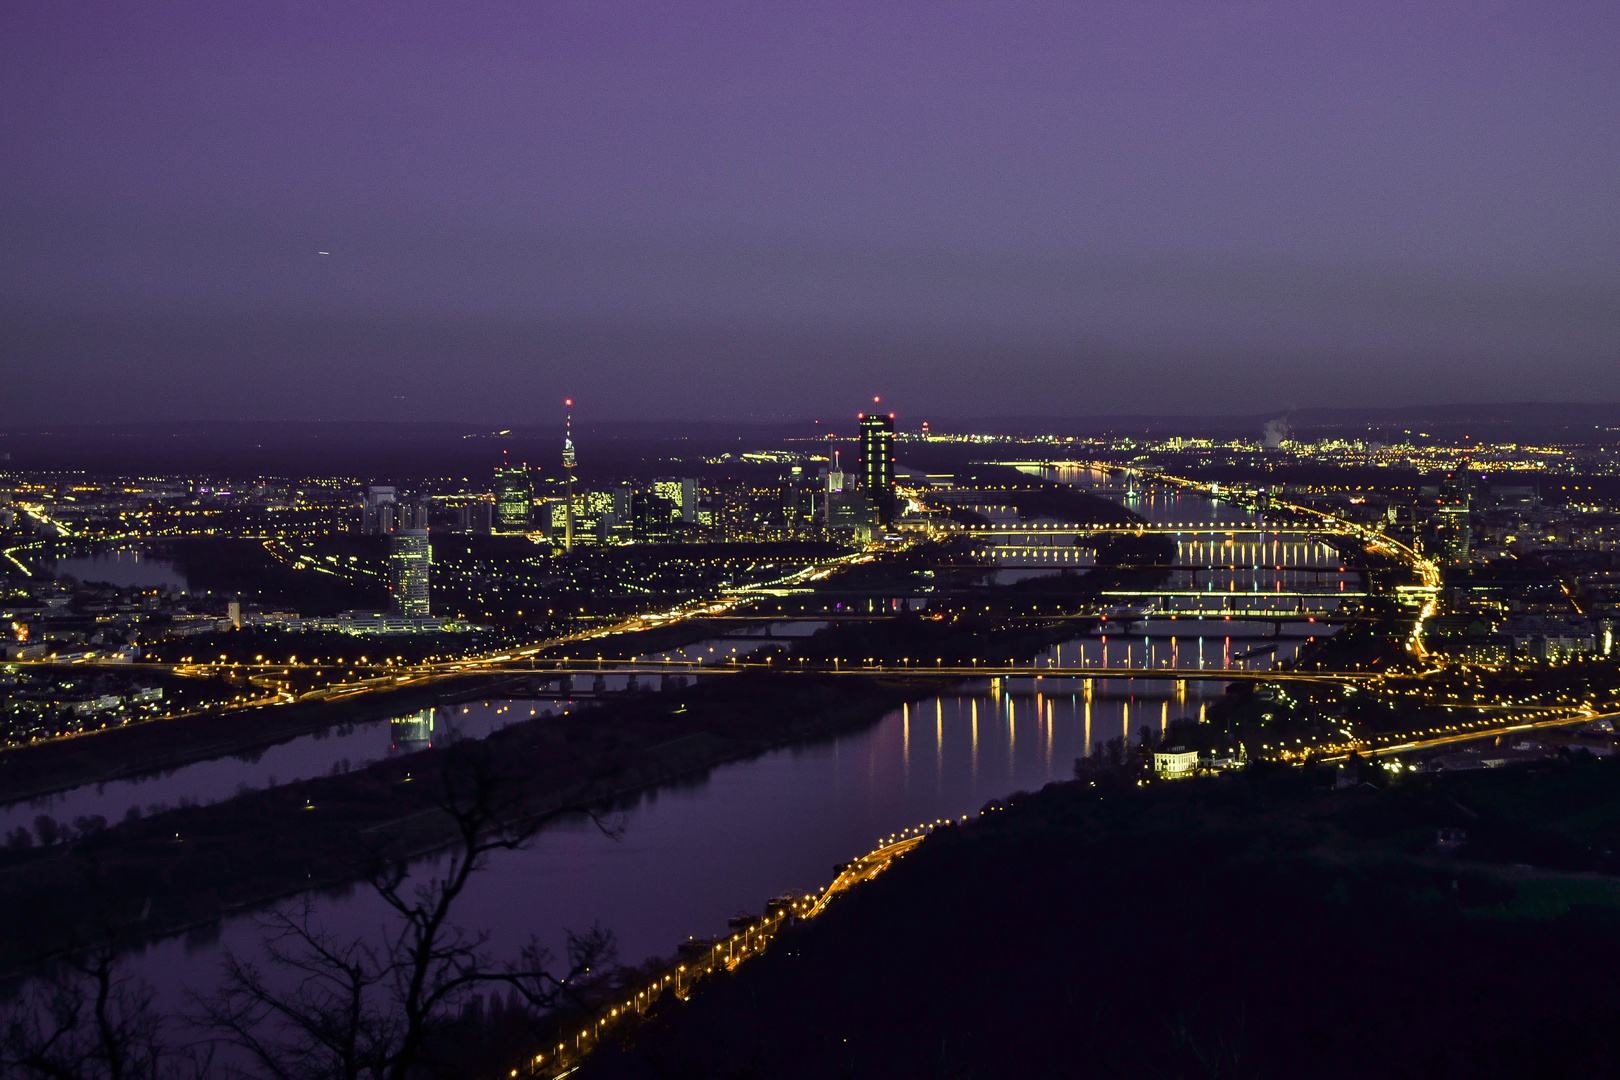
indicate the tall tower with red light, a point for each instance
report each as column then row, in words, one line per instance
column 877, row 461
column 568, row 474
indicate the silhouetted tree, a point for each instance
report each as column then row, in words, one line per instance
column 358, row 1010
column 86, row 1021
column 48, row 829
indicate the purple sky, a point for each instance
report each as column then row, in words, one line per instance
column 746, row 210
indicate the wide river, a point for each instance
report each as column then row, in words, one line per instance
column 692, row 854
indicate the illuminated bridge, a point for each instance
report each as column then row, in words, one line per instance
column 1015, row 531
column 549, row 667
column 935, row 670
column 1234, row 594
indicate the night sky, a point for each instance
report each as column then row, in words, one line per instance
column 756, row 210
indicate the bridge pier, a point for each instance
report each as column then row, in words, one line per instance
column 599, row 685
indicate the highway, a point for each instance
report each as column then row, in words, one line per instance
column 1558, row 718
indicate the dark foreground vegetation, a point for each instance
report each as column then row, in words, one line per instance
column 1259, row 925
column 408, row 1002
column 156, row 874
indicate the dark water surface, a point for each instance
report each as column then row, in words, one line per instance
column 127, row 568
column 693, row 854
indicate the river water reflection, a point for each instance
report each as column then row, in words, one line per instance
column 127, row 568
column 336, row 749
column 693, row 854
column 347, row 746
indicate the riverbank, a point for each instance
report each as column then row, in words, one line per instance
column 153, row 746
column 152, row 877
column 122, row 753
column 1255, row 925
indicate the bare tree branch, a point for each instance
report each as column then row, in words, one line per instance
column 321, row 1008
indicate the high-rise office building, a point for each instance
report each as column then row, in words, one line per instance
column 877, row 463
column 410, row 560
column 411, row 515
column 683, row 495
column 514, row 500
column 691, row 493
column 475, row 516
column 379, row 510
column 1454, row 532
column 835, row 476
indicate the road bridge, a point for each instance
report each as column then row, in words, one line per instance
column 936, row 670
column 567, row 666
column 1246, row 594
column 1200, row 567
column 1173, row 528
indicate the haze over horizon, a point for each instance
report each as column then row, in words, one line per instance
column 726, row 212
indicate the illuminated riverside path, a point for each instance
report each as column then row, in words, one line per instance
column 578, row 1037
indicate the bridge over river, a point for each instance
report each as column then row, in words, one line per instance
column 937, row 670
column 1017, row 530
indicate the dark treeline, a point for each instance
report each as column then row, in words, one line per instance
column 1033, row 497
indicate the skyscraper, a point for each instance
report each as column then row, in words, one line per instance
column 410, row 559
column 835, row 476
column 379, row 510
column 1454, row 533
column 877, row 463
column 514, row 500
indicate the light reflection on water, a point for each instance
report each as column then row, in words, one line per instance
column 342, row 747
column 127, row 568
column 352, row 746
column 695, row 852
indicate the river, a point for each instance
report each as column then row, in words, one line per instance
column 127, row 568
column 344, row 746
column 693, row 854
